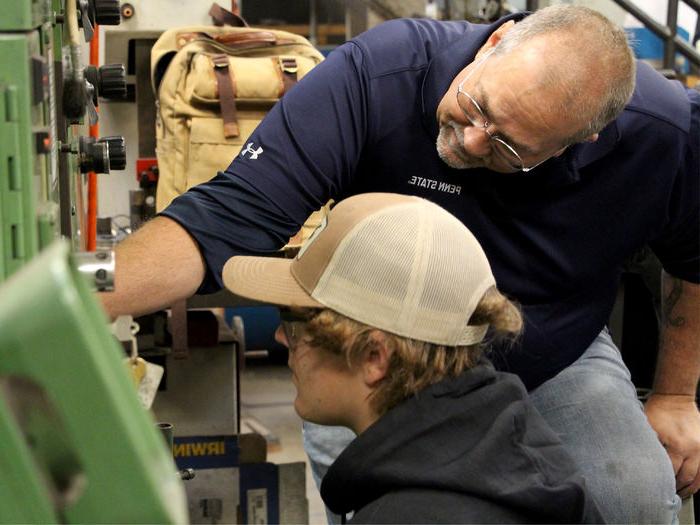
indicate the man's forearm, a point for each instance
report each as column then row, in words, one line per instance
column 155, row 267
column 678, row 367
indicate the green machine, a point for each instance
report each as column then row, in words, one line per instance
column 77, row 446
column 28, row 157
column 47, row 96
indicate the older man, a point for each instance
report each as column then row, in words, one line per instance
column 542, row 153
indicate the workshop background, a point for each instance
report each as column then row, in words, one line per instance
column 185, row 415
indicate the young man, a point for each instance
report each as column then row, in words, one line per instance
column 390, row 302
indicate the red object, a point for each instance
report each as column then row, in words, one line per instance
column 145, row 164
column 91, row 231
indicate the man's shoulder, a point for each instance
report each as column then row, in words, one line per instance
column 659, row 99
column 407, row 43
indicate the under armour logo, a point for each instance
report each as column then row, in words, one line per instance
column 254, row 153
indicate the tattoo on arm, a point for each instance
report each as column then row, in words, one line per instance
column 669, row 303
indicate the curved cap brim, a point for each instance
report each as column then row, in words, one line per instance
column 266, row 279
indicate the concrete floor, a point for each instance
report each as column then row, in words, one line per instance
column 267, row 404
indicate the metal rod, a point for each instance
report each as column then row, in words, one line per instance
column 656, row 28
column 661, row 31
column 532, row 5
column 669, row 45
column 348, row 20
column 313, row 23
column 694, row 4
column 166, row 430
column 687, row 50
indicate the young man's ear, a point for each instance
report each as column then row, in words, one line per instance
column 375, row 363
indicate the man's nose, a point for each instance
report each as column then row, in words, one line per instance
column 477, row 141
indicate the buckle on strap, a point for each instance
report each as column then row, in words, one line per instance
column 288, row 65
column 220, row 61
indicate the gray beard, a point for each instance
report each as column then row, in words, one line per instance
column 452, row 152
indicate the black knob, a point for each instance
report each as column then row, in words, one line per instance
column 116, row 151
column 113, row 81
column 75, row 98
column 92, row 155
column 109, row 81
column 107, row 12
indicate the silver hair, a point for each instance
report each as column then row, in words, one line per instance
column 596, row 50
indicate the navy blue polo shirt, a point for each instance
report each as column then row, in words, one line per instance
column 364, row 121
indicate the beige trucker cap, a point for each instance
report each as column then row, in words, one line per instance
column 394, row 262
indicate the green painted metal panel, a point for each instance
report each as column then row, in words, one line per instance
column 24, row 495
column 5, row 133
column 47, row 222
column 57, row 6
column 18, row 163
column 22, row 15
column 91, row 440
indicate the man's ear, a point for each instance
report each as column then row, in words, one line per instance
column 375, row 363
column 590, row 138
column 495, row 37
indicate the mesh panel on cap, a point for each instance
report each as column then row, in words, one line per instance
column 405, row 270
column 455, row 279
column 367, row 278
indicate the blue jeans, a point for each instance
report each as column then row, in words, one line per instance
column 592, row 405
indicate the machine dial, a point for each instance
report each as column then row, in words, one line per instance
column 109, row 81
column 113, row 81
column 92, row 155
column 116, row 151
column 103, row 155
column 107, row 12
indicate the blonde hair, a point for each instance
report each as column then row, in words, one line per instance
column 414, row 365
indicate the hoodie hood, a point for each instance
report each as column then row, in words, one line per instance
column 475, row 435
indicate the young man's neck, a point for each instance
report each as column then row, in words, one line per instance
column 363, row 421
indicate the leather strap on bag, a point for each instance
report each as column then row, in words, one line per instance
column 244, row 40
column 227, row 95
column 289, row 69
column 248, row 39
column 224, row 17
column 185, row 38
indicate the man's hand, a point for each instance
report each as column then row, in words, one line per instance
column 671, row 409
column 676, row 420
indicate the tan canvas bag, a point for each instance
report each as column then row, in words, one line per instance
column 214, row 85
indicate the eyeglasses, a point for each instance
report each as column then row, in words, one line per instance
column 476, row 117
column 294, row 327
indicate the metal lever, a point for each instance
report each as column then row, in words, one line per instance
column 93, row 116
column 88, row 28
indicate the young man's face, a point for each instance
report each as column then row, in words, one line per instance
column 325, row 385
